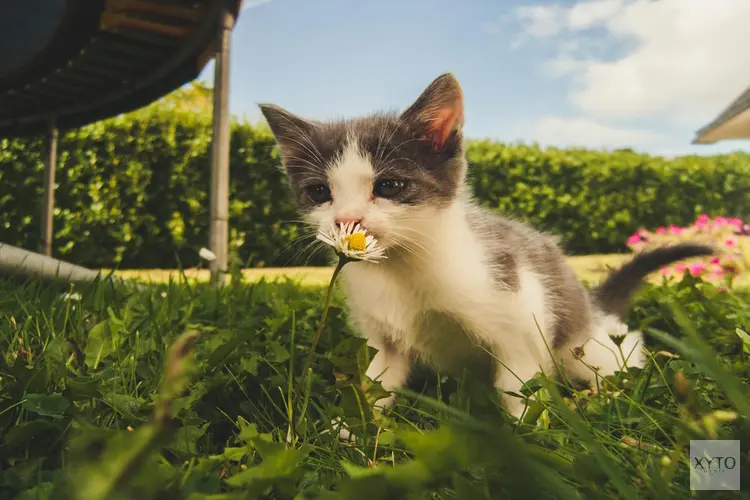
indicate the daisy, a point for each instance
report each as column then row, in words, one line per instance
column 352, row 242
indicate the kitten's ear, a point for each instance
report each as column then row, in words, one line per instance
column 439, row 111
column 289, row 129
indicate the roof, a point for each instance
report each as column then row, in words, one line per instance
column 732, row 123
column 80, row 61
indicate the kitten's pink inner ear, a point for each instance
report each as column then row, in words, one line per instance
column 445, row 121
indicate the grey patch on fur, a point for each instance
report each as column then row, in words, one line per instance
column 397, row 151
column 503, row 260
column 509, row 241
column 507, row 271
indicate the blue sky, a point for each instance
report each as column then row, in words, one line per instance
column 594, row 73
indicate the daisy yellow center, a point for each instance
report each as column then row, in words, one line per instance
column 356, row 241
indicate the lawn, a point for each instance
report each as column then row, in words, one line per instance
column 588, row 267
column 183, row 391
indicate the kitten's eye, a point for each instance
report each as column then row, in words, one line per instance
column 319, row 193
column 388, row 188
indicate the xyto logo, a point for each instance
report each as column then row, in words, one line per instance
column 714, row 464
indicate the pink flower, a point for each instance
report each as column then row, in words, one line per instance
column 697, row 269
column 674, row 229
column 731, row 242
column 634, row 239
column 736, row 222
column 661, row 230
column 703, row 218
column 680, row 268
column 746, row 228
column 715, row 260
column 665, row 271
column 720, row 221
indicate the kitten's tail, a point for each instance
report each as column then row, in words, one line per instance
column 614, row 293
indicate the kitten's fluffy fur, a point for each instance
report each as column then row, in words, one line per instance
column 459, row 280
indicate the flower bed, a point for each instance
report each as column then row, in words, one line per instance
column 728, row 234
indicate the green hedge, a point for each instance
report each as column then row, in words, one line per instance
column 133, row 192
column 594, row 200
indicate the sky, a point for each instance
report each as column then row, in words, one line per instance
column 605, row 74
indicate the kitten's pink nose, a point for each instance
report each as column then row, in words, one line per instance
column 348, row 220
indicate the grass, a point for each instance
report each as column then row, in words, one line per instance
column 186, row 392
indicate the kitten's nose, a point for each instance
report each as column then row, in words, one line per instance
column 348, row 220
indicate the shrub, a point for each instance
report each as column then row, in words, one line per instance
column 594, row 200
column 132, row 191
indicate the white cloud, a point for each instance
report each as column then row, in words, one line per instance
column 584, row 15
column 542, row 20
column 563, row 65
column 582, row 132
column 678, row 60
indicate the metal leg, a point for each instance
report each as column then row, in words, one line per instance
column 219, row 237
column 48, row 203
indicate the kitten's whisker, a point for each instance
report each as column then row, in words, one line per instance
column 393, row 132
column 420, row 256
column 393, row 164
column 311, row 168
column 417, row 246
column 291, row 244
column 305, row 250
column 303, row 164
column 430, row 238
column 315, row 152
column 379, row 148
column 396, row 148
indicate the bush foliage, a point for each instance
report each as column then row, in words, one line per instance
column 133, row 191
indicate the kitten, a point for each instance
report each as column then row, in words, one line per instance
column 459, row 281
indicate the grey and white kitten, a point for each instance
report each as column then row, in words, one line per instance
column 459, row 281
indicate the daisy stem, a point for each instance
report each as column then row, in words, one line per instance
column 342, row 260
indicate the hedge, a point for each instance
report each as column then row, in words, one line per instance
column 132, row 192
column 594, row 200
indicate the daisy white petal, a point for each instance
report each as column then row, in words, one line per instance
column 352, row 241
